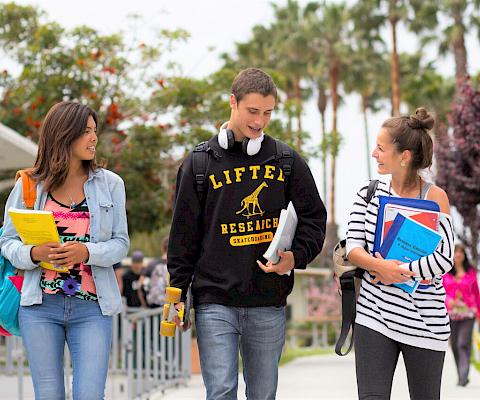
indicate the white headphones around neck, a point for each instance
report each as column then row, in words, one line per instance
column 226, row 140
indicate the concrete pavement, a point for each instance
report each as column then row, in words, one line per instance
column 331, row 377
column 326, row 377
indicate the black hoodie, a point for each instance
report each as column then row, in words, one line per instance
column 217, row 245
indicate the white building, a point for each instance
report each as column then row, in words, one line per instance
column 16, row 152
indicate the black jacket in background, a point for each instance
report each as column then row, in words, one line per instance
column 218, row 246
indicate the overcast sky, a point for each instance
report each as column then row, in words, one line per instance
column 217, row 25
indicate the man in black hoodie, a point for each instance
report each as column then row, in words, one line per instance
column 219, row 235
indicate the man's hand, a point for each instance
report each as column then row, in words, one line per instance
column 69, row 254
column 389, row 271
column 186, row 323
column 284, row 266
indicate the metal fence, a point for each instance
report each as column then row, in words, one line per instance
column 144, row 362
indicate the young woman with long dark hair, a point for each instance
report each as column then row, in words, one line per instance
column 76, row 307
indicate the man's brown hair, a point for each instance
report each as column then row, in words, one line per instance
column 253, row 80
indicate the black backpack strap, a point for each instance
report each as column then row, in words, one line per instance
column 200, row 159
column 199, row 165
column 349, row 309
column 347, row 285
column 372, row 188
column 284, row 157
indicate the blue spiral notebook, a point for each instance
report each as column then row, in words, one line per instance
column 407, row 241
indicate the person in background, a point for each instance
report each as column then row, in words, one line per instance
column 463, row 305
column 117, row 267
column 155, row 278
column 76, row 307
column 132, row 288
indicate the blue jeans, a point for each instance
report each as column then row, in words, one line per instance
column 45, row 328
column 259, row 333
column 461, row 341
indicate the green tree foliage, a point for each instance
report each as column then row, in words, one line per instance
column 107, row 73
column 422, row 85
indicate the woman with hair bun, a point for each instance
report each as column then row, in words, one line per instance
column 390, row 321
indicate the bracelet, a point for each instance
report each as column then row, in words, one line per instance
column 31, row 257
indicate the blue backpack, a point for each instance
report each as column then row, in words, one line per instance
column 10, row 284
column 11, row 281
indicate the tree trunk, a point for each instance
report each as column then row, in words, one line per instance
column 331, row 239
column 322, row 105
column 367, row 142
column 473, row 248
column 289, row 114
column 458, row 46
column 334, row 73
column 395, row 69
column 298, row 110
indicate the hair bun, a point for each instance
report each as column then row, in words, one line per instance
column 421, row 120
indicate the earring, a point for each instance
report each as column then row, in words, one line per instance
column 402, row 163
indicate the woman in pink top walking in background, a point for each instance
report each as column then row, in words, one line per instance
column 463, row 305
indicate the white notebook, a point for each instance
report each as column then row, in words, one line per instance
column 287, row 224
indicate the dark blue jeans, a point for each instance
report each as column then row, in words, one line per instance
column 376, row 358
column 45, row 329
column 461, row 341
column 259, row 333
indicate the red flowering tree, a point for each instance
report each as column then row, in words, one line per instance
column 115, row 75
column 458, row 161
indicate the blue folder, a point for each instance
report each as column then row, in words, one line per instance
column 407, row 241
column 403, row 201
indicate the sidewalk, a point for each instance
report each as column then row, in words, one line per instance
column 332, row 377
column 327, row 377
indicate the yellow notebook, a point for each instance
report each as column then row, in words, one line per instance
column 36, row 227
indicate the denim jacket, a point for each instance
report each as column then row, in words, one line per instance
column 109, row 241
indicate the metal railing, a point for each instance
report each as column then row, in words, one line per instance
column 152, row 362
column 140, row 357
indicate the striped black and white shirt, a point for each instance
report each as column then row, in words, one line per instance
column 419, row 319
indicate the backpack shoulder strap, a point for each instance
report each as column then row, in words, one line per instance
column 347, row 285
column 199, row 165
column 284, row 156
column 200, row 159
column 349, row 309
column 372, row 188
column 29, row 188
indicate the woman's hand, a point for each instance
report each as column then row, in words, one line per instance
column 69, row 254
column 284, row 266
column 42, row 252
column 389, row 271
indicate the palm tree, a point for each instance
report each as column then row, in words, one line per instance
column 290, row 44
column 329, row 37
column 362, row 77
column 418, row 16
column 367, row 65
column 453, row 38
column 396, row 10
column 424, row 86
column 322, row 106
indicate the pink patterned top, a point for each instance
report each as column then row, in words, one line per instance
column 72, row 224
column 463, row 297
